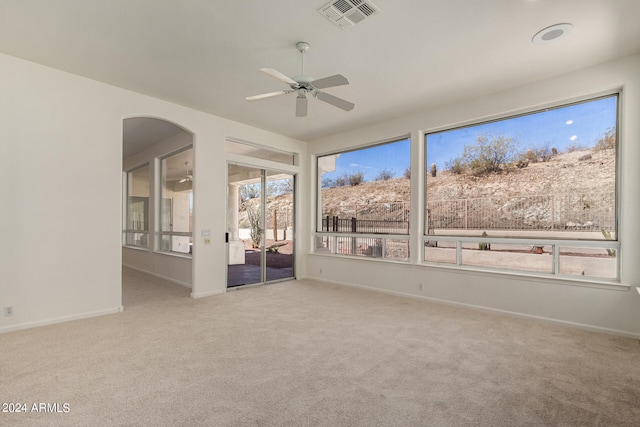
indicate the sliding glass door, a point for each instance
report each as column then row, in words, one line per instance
column 260, row 226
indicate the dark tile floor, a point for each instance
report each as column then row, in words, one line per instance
column 246, row 274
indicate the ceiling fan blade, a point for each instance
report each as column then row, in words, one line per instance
column 279, row 76
column 268, row 95
column 331, row 81
column 182, row 180
column 301, row 106
column 335, row 101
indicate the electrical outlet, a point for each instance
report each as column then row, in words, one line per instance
column 8, row 311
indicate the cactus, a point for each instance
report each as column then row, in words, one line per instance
column 554, row 151
column 484, row 246
column 433, row 170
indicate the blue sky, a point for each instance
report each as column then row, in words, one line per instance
column 393, row 157
column 579, row 124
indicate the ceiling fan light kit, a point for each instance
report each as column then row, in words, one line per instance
column 187, row 176
column 304, row 85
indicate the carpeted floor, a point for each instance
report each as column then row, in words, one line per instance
column 304, row 353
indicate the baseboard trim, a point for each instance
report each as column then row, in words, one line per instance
column 63, row 319
column 207, row 294
column 576, row 325
column 159, row 276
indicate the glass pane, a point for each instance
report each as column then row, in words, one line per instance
column 136, row 239
column 549, row 174
column 360, row 246
column 508, row 256
column 245, row 225
column 366, row 190
column 440, row 252
column 279, row 226
column 176, row 203
column 137, row 205
column 397, row 250
column 592, row 262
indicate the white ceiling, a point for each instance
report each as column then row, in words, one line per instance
column 413, row 55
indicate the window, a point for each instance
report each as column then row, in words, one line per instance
column 535, row 192
column 260, row 152
column 363, row 206
column 176, row 203
column 136, row 231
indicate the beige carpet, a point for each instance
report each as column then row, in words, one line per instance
column 306, row 353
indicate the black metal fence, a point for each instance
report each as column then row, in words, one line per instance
column 334, row 224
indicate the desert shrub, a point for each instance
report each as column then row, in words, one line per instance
column 328, row 182
column 488, row 154
column 356, row 178
column 384, row 175
column 455, row 166
column 407, row 173
column 607, row 141
column 534, row 155
column 249, row 191
column 254, row 214
column 342, row 181
column 280, row 187
column 575, row 146
column 349, row 179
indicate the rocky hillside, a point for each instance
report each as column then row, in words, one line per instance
column 593, row 170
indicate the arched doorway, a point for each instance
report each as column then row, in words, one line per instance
column 158, row 195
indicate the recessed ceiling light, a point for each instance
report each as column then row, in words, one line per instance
column 552, row 33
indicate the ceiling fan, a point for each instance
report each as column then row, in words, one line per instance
column 304, row 85
column 187, row 176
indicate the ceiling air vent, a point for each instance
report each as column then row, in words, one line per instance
column 347, row 13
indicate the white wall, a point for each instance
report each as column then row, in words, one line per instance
column 599, row 308
column 61, row 214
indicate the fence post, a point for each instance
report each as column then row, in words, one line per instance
column 354, row 227
column 553, row 212
column 275, row 224
column 466, row 216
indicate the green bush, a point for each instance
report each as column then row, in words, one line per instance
column 455, row 166
column 607, row 142
column 489, row 154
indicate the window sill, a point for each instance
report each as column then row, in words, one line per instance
column 554, row 280
column 137, row 248
column 533, row 277
column 174, row 254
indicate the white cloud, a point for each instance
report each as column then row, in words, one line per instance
column 568, row 122
column 574, row 137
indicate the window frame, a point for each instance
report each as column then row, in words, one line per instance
column 554, row 244
column 159, row 233
column 126, row 231
column 327, row 242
